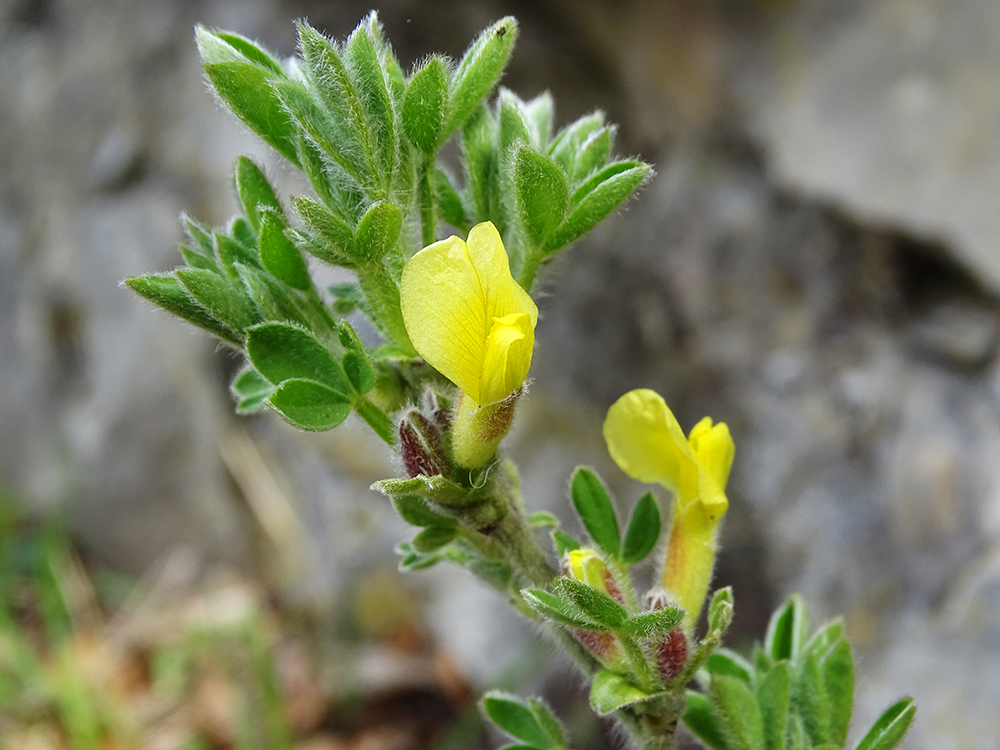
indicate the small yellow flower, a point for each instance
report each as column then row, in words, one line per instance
column 466, row 315
column 647, row 443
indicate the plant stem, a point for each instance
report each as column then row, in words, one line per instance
column 426, row 199
column 532, row 259
column 523, row 553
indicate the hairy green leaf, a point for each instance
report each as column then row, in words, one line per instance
column 593, row 504
column 643, row 530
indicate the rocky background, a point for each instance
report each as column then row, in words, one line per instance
column 817, row 263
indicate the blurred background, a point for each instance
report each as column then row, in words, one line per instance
column 816, row 263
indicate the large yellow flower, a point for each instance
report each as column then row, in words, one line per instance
column 646, row 441
column 467, row 317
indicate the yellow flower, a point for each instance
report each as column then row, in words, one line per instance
column 466, row 315
column 647, row 443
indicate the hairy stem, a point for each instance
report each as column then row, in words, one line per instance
column 426, row 199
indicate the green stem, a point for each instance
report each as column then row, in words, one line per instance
column 640, row 665
column 532, row 260
column 426, row 199
column 513, row 536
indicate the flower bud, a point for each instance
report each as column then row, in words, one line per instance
column 672, row 652
column 586, row 566
column 422, row 445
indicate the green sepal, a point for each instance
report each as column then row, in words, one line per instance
column 643, row 530
column 449, row 203
column 597, row 198
column 593, row 504
column 250, row 390
column 610, row 691
column 564, row 542
column 437, row 488
column 888, row 730
column 739, row 713
column 542, row 519
column 518, row 720
column 247, row 90
column 434, row 537
column 218, row 296
column 724, row 661
column 424, row 105
column 255, row 191
column 377, row 232
column 542, row 194
column 280, row 352
column 720, row 614
column 168, row 293
column 773, row 694
column 558, row 609
column 415, row 511
column 703, row 722
column 335, row 239
column 413, row 560
column 279, row 255
column 377, row 419
column 362, row 61
column 479, row 70
column 654, row 625
column 309, row 405
column 594, row 603
column 787, row 630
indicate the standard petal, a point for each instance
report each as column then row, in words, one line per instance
column 444, row 311
column 502, row 295
column 646, row 442
column 508, row 356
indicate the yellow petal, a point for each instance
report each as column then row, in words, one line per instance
column 646, row 442
column 452, row 294
column 713, row 448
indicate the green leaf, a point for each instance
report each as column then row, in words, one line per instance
column 643, row 530
column 594, row 507
column 362, row 60
column 593, row 154
column 724, row 661
column 838, row 683
column 555, row 608
column 654, row 625
column 888, row 731
column 720, row 614
column 200, row 236
column 250, row 390
column 824, row 639
column 316, row 169
column 542, row 194
column 168, row 293
column 424, row 105
column 611, row 691
column 549, row 724
column 739, row 713
column 218, row 296
column 541, row 113
column 279, row 351
column 279, row 256
column 564, row 542
column 415, row 511
column 336, row 240
column 309, row 405
column 787, row 630
column 541, row 519
column 382, row 294
column 479, row 70
column 196, row 260
column 231, row 252
column 413, row 560
column 597, row 198
column 356, row 363
column 269, row 296
column 593, row 602
column 254, row 191
column 514, row 122
column 796, row 736
column 495, row 573
column 773, row 699
column 377, row 231
column 811, row 700
column 251, row 51
column 516, row 719
column 482, row 166
column 434, row 537
column 703, row 722
column 246, row 88
column 566, row 145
